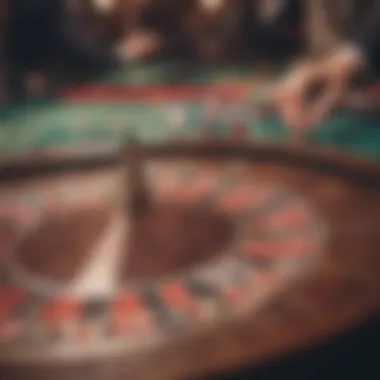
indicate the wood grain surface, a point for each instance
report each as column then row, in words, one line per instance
column 62, row 243
column 342, row 290
column 169, row 238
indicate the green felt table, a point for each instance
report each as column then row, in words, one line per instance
column 161, row 101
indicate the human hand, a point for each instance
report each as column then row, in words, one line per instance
column 294, row 100
column 140, row 45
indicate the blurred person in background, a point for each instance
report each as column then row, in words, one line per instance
column 213, row 29
column 202, row 30
column 46, row 40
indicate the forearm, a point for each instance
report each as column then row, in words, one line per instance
column 366, row 38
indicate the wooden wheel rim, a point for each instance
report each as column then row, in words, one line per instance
column 299, row 316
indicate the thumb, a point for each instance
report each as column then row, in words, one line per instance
column 325, row 103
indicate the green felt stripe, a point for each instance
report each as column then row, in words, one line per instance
column 52, row 124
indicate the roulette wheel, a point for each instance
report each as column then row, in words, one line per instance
column 176, row 260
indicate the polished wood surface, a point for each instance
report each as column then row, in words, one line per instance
column 62, row 243
column 341, row 290
column 169, row 238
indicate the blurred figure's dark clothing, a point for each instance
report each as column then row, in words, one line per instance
column 184, row 27
column 276, row 38
column 53, row 36
column 279, row 37
column 165, row 17
column 31, row 34
column 366, row 34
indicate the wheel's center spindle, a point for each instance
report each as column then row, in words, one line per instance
column 135, row 182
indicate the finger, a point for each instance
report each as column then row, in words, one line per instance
column 325, row 103
column 275, row 93
column 307, row 112
column 293, row 108
column 289, row 98
column 280, row 95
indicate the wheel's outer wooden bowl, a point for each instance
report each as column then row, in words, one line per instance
column 341, row 291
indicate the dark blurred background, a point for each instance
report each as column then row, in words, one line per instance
column 45, row 43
